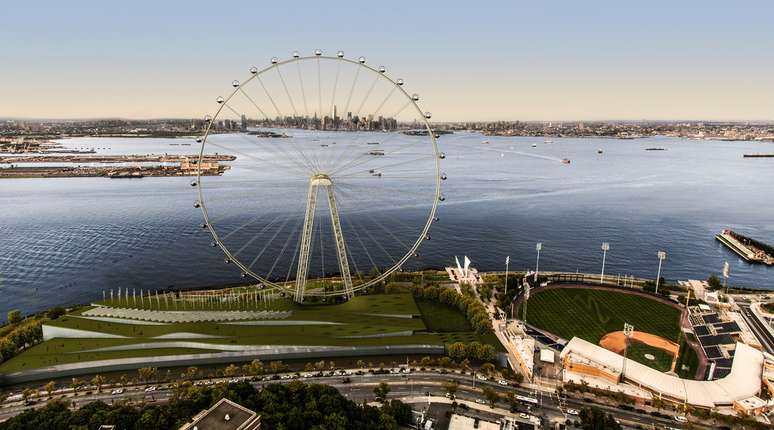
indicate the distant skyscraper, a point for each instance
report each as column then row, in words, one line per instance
column 244, row 123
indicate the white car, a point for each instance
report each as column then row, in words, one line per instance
column 150, row 389
column 480, row 401
column 117, row 391
column 481, row 377
column 681, row 419
column 523, row 416
column 502, row 382
column 572, row 412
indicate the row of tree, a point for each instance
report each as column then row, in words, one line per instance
column 468, row 304
column 19, row 334
column 282, row 406
column 474, row 351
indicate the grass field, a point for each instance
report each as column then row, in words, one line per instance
column 590, row 314
column 368, row 320
column 662, row 360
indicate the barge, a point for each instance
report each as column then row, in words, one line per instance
column 749, row 249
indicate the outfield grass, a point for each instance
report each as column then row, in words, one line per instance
column 590, row 314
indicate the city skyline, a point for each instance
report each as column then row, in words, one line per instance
column 502, row 61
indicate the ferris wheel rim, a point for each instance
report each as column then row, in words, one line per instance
column 288, row 286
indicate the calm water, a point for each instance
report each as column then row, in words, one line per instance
column 63, row 241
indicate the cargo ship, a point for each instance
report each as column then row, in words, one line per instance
column 749, row 249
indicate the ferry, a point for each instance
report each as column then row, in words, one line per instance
column 376, row 152
column 372, row 143
column 565, row 161
column 534, row 145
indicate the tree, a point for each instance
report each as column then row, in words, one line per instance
column 50, row 388
column 98, row 380
column 426, row 361
column 451, row 387
column 231, row 370
column 360, row 364
column 55, row 312
column 276, row 366
column 147, row 373
column 14, row 316
column 256, row 367
column 457, row 351
column 381, row 391
column 398, row 410
column 487, row 369
column 491, row 396
column 714, row 282
column 595, row 419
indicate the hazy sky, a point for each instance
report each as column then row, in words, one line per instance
column 528, row 60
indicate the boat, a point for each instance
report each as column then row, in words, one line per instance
column 548, row 141
column 534, row 145
column 565, row 161
column 486, row 142
column 758, row 155
column 376, row 152
column 655, row 149
column 751, row 250
column 372, row 143
column 324, row 145
column 599, row 151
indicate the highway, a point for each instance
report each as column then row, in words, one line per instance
column 360, row 387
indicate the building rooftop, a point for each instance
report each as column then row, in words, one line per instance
column 225, row 415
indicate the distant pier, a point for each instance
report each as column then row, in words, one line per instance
column 750, row 250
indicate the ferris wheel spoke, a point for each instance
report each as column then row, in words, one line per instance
column 246, row 155
column 368, row 94
column 366, row 157
column 352, row 89
column 238, row 229
column 257, row 235
column 268, row 95
column 381, row 105
column 377, row 243
column 298, row 165
column 360, row 241
column 335, row 85
column 282, row 251
column 258, row 108
column 287, row 93
column 303, row 91
column 266, row 245
column 340, row 172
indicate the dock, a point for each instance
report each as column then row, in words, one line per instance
column 750, row 250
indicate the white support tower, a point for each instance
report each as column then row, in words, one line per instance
column 315, row 183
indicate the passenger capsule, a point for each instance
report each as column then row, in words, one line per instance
column 274, row 60
column 234, row 83
column 427, row 236
column 207, row 118
column 194, row 183
column 253, row 70
column 436, row 219
column 198, row 140
column 415, row 97
column 243, row 275
column 399, row 81
column 428, row 115
column 203, row 225
column 443, row 175
column 317, row 52
column 382, row 69
column 227, row 261
column 213, row 244
column 296, row 54
column 361, row 60
column 219, row 100
column 197, row 204
column 437, row 136
column 340, row 54
column 442, row 197
column 442, row 155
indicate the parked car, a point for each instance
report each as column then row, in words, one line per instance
column 117, row 391
column 572, row 412
column 681, row 419
column 502, row 382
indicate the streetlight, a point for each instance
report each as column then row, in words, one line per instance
column 661, row 257
column 538, row 247
column 605, row 248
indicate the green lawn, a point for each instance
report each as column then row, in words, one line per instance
column 590, row 314
column 366, row 315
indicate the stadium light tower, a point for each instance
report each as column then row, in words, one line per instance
column 605, row 248
column 538, row 247
column 628, row 331
column 661, row 257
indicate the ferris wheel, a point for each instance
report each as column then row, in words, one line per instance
column 336, row 181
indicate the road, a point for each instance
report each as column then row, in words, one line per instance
column 758, row 327
column 360, row 387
